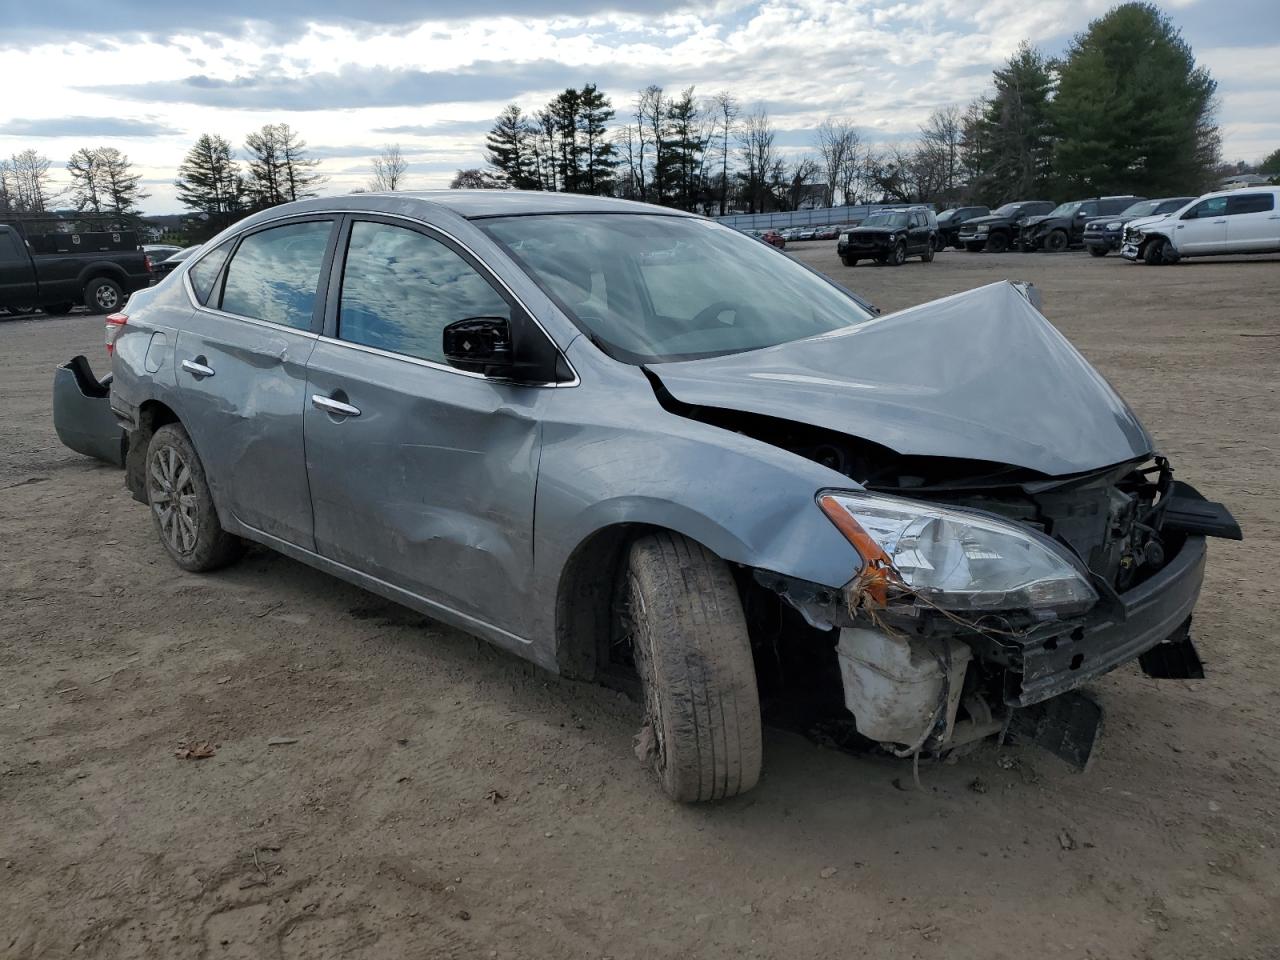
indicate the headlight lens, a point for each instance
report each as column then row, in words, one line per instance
column 1114, row 225
column 961, row 561
column 844, row 238
column 893, row 237
column 984, row 228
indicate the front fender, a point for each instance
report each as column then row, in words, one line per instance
column 632, row 462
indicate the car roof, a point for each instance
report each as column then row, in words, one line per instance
column 1256, row 188
column 506, row 203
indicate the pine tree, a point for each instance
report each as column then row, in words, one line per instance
column 509, row 149
column 279, row 169
column 1133, row 111
column 122, row 187
column 598, row 159
column 1017, row 131
column 209, row 178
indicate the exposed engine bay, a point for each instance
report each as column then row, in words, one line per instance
column 917, row 678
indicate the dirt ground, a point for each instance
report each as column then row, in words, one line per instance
column 445, row 800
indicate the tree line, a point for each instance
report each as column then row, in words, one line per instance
column 1126, row 110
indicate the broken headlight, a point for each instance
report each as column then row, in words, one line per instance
column 961, row 561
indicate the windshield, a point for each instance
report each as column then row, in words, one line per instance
column 946, row 215
column 885, row 220
column 1065, row 209
column 1143, row 209
column 1008, row 210
column 651, row 288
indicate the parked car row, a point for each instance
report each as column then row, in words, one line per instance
column 1155, row 231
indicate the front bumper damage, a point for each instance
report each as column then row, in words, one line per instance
column 921, row 681
column 82, row 413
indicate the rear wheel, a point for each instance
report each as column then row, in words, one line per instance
column 927, row 256
column 181, row 505
column 998, row 243
column 1056, row 242
column 103, row 295
column 688, row 634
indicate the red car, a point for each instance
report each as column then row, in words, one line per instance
column 775, row 238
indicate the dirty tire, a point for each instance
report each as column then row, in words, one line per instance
column 181, row 507
column 698, row 681
column 997, row 243
column 103, row 295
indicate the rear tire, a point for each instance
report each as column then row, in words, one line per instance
column 997, row 243
column 181, row 506
column 697, row 678
column 927, row 256
column 103, row 295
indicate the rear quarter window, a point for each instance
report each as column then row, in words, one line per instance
column 1251, row 203
column 204, row 273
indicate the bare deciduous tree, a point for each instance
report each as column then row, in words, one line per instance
column 389, row 169
column 756, row 146
column 837, row 144
column 725, row 108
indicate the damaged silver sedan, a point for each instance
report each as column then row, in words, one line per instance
column 634, row 446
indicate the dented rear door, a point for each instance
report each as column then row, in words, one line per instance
column 421, row 475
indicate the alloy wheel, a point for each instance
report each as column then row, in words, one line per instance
column 172, row 492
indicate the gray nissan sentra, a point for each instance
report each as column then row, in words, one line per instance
column 632, row 445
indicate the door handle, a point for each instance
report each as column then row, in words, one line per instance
column 197, row 369
column 1274, row 216
column 335, row 407
column 1219, row 221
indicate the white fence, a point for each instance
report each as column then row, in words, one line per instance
column 820, row 217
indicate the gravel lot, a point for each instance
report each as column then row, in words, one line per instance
column 445, row 800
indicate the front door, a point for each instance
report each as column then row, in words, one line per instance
column 1203, row 228
column 242, row 372
column 421, row 475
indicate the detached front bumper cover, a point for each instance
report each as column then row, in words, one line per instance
column 82, row 413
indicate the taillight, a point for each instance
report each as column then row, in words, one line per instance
column 146, row 258
column 115, row 325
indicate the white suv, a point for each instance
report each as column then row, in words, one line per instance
column 1231, row 221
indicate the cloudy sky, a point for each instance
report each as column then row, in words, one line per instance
column 430, row 75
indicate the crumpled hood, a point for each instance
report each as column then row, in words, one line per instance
column 1140, row 222
column 1036, row 220
column 980, row 375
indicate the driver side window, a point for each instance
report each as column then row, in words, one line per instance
column 401, row 288
column 1213, row 207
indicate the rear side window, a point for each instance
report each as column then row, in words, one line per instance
column 401, row 288
column 274, row 274
column 1251, row 203
column 9, row 247
column 205, row 272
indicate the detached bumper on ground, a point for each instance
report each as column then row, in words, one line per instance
column 82, row 413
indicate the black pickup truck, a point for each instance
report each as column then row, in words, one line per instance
column 56, row 271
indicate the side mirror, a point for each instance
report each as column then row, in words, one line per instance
column 490, row 346
column 1189, row 215
column 480, row 345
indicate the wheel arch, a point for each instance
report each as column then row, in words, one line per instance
column 152, row 415
column 102, row 268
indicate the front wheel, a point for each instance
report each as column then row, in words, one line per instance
column 849, row 261
column 1056, row 242
column 688, row 634
column 1098, row 251
column 898, row 255
column 998, row 243
column 181, row 505
column 103, row 295
column 1154, row 254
